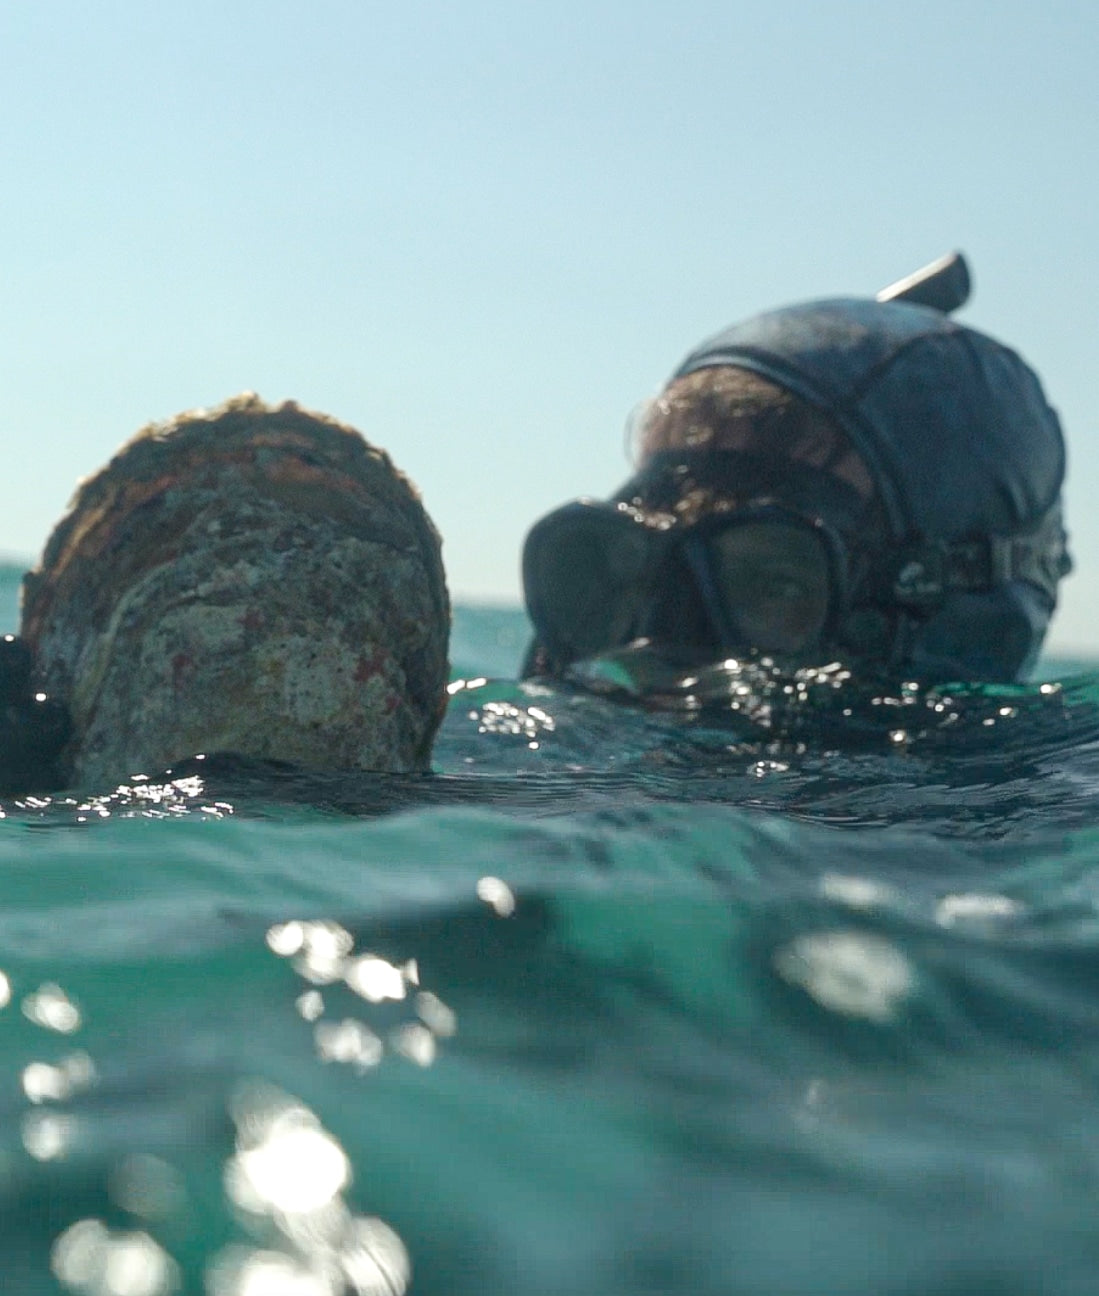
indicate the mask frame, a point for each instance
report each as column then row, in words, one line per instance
column 581, row 608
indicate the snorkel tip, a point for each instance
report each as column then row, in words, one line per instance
column 944, row 285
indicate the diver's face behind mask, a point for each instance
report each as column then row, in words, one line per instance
column 741, row 532
column 759, row 578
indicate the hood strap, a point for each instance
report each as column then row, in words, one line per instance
column 920, row 574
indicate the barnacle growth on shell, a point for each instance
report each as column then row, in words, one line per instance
column 254, row 579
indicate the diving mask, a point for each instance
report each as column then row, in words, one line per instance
column 763, row 577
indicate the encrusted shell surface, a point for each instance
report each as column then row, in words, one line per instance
column 251, row 579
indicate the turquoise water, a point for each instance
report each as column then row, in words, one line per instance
column 619, row 1002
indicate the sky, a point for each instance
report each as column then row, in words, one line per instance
column 482, row 232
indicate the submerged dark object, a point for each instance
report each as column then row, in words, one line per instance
column 34, row 727
column 250, row 579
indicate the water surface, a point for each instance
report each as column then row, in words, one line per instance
column 620, row 1001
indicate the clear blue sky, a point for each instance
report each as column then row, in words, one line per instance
column 482, row 231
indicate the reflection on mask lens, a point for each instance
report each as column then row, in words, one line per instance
column 597, row 578
column 773, row 581
column 586, row 570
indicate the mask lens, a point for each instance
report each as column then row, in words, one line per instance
column 585, row 574
column 772, row 580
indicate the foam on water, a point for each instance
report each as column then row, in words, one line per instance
column 620, row 1001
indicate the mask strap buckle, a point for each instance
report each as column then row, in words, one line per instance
column 919, row 572
column 923, row 573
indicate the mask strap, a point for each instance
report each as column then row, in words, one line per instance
column 920, row 575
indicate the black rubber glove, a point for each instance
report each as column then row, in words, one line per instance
column 33, row 727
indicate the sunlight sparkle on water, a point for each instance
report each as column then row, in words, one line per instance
column 322, row 952
column 325, row 947
column 497, row 894
column 460, row 685
column 507, row 719
column 50, row 1007
column 435, row 1014
column 47, row 1135
column 374, row 1259
column 375, row 979
column 318, row 948
column 348, row 1041
column 848, row 972
column 285, row 939
column 310, row 1005
column 855, row 892
column 295, row 1167
column 290, row 1169
column 91, row 1259
column 760, row 769
column 45, row 1083
column 975, row 907
column 414, row 1042
column 239, row 1272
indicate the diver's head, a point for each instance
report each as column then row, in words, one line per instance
column 248, row 579
column 859, row 479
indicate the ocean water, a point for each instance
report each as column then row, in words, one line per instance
column 795, row 994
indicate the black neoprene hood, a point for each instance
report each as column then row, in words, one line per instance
column 954, row 426
column 960, row 439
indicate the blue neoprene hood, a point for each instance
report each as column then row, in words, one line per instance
column 957, row 432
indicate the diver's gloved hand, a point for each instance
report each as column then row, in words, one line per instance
column 33, row 727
